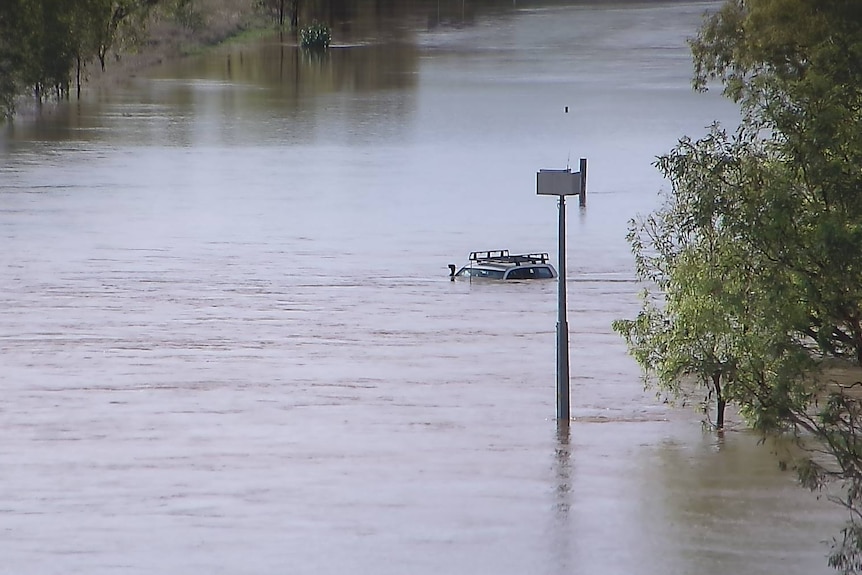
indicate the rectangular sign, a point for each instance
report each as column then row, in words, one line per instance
column 558, row 183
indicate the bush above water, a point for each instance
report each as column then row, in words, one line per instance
column 315, row 36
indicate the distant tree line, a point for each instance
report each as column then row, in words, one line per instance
column 44, row 43
column 47, row 45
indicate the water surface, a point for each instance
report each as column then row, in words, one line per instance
column 229, row 344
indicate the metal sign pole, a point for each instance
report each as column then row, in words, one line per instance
column 562, row 323
column 562, row 183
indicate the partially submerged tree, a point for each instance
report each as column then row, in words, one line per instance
column 756, row 257
column 686, row 331
column 43, row 41
column 712, row 307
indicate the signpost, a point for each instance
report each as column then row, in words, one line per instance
column 563, row 183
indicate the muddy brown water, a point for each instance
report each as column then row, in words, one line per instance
column 229, row 344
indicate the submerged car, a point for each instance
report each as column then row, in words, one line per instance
column 501, row 265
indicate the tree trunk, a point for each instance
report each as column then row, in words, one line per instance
column 720, row 402
column 78, row 75
column 294, row 17
column 856, row 330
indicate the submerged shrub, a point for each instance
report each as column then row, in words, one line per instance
column 315, row 36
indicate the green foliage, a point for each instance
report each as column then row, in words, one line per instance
column 43, row 41
column 795, row 66
column 716, row 318
column 756, row 256
column 315, row 36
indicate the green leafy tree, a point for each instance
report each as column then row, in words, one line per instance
column 14, row 24
column 87, row 26
column 108, row 20
column 795, row 67
column 49, row 49
column 43, row 41
column 685, row 334
column 710, row 310
column 756, row 258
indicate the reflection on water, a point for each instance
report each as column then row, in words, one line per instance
column 228, row 333
column 561, row 527
column 562, row 468
column 721, row 490
column 292, row 96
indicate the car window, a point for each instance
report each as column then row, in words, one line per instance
column 544, row 273
column 530, row 273
column 482, row 273
column 521, row 273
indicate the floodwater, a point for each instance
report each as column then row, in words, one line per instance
column 230, row 346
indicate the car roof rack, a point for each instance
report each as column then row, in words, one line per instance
column 503, row 256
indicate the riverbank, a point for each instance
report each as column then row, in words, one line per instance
column 175, row 35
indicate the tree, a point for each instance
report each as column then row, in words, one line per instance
column 280, row 10
column 48, row 48
column 87, row 26
column 43, row 41
column 13, row 18
column 681, row 250
column 715, row 310
column 756, row 257
column 795, row 67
